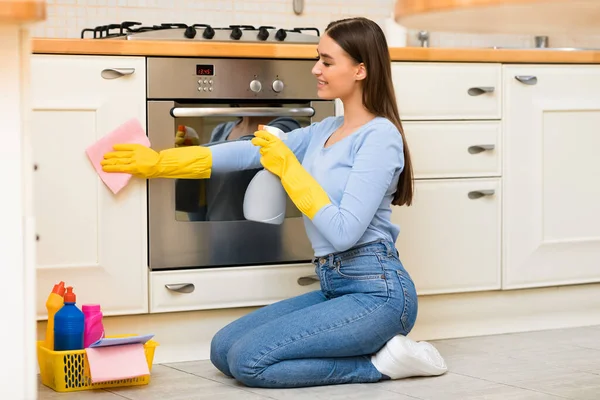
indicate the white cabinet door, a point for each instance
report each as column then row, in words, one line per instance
column 90, row 238
column 449, row 238
column 551, row 171
column 454, row 149
column 217, row 288
column 447, row 91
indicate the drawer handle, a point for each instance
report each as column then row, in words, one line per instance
column 308, row 280
column 181, row 287
column 527, row 79
column 480, row 148
column 113, row 73
column 477, row 91
column 477, row 194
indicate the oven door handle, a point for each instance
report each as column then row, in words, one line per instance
column 242, row 112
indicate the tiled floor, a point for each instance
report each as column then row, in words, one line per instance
column 544, row 365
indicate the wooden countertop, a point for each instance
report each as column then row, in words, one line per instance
column 22, row 11
column 261, row 50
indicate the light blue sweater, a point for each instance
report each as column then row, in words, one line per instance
column 359, row 173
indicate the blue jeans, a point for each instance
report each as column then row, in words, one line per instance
column 327, row 336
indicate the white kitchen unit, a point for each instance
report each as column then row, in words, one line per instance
column 450, row 238
column 551, row 205
column 506, row 197
column 88, row 237
column 447, row 91
column 218, row 288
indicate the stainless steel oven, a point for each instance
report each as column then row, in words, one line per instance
column 199, row 223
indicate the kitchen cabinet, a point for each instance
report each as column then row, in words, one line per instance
column 216, row 288
column 449, row 238
column 90, row 238
column 454, row 149
column 448, row 91
column 551, row 171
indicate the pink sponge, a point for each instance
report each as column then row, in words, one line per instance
column 130, row 132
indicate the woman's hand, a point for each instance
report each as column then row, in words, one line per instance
column 135, row 159
column 194, row 162
column 301, row 187
column 275, row 154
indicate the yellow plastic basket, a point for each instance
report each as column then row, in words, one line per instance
column 69, row 371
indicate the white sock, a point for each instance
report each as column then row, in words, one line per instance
column 402, row 357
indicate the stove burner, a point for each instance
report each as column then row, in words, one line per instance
column 178, row 31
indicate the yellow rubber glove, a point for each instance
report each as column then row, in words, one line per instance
column 192, row 162
column 303, row 189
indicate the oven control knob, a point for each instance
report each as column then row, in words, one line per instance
column 277, row 85
column 255, row 86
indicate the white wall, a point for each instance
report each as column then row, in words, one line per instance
column 66, row 18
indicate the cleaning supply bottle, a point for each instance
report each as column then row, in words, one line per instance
column 93, row 330
column 53, row 304
column 68, row 325
column 265, row 198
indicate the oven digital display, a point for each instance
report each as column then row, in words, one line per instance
column 205, row 69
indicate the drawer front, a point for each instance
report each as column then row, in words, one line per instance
column 217, row 288
column 449, row 241
column 426, row 91
column 454, row 149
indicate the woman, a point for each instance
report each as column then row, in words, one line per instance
column 343, row 174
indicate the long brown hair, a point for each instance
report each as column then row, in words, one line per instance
column 365, row 42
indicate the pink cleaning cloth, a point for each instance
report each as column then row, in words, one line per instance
column 130, row 132
column 117, row 362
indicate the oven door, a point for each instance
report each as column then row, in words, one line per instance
column 195, row 223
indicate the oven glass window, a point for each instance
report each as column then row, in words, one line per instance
column 221, row 197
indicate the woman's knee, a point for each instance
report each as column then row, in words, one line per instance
column 219, row 347
column 244, row 365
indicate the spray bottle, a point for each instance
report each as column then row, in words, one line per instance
column 53, row 304
column 68, row 325
column 265, row 198
column 93, row 330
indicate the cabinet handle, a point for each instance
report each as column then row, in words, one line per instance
column 113, row 73
column 481, row 147
column 308, row 280
column 527, row 79
column 477, row 91
column 181, row 287
column 476, row 194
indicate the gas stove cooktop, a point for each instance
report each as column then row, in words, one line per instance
column 129, row 30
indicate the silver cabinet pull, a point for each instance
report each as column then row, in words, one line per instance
column 181, row 287
column 477, row 194
column 480, row 148
column 308, row 280
column 477, row 91
column 113, row 73
column 527, row 79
